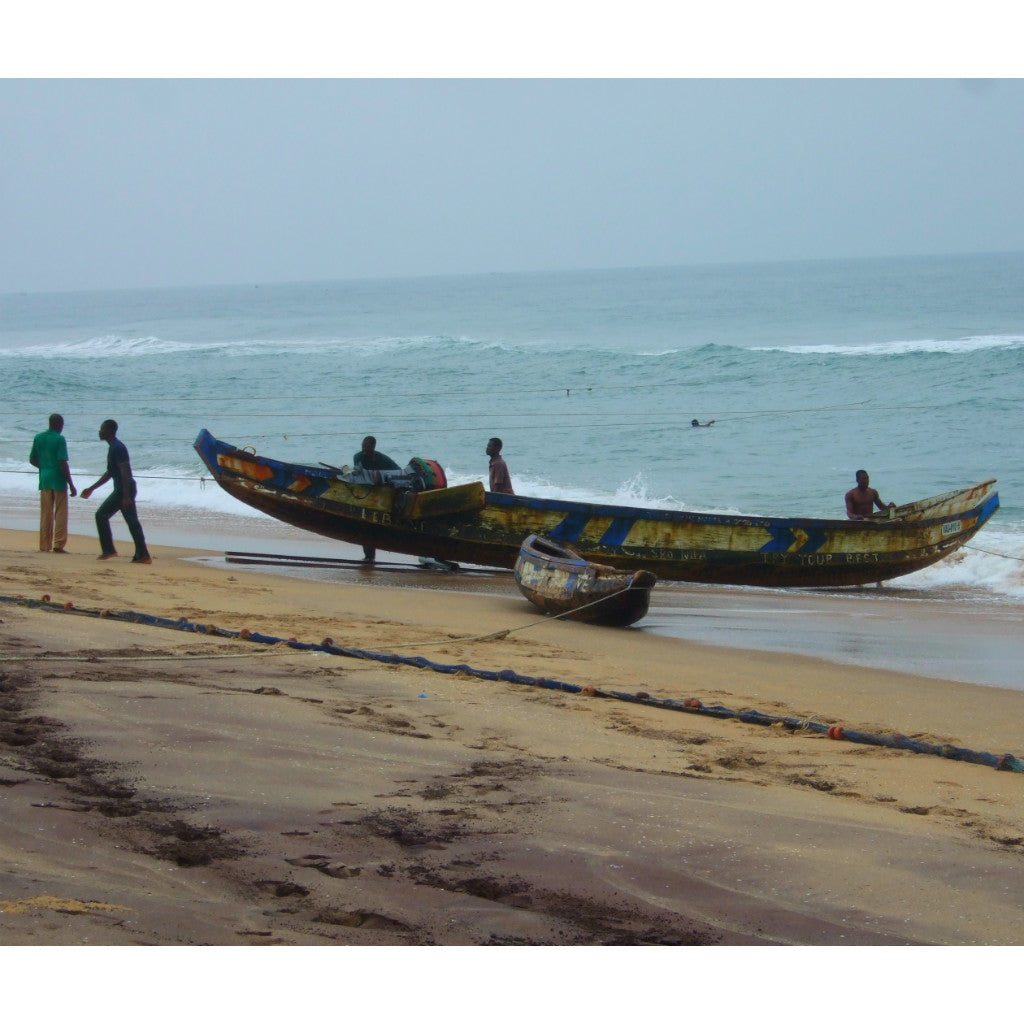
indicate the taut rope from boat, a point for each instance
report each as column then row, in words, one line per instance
column 691, row 705
column 500, row 634
column 998, row 554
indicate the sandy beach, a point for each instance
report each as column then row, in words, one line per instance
column 169, row 787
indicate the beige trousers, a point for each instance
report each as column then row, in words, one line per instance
column 53, row 519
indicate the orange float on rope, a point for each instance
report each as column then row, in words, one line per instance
column 835, row 732
column 244, row 634
column 68, row 605
column 46, row 598
column 589, row 691
column 692, row 702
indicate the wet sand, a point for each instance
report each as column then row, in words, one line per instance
column 894, row 627
column 889, row 628
column 177, row 788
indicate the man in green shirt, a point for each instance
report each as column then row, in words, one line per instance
column 50, row 456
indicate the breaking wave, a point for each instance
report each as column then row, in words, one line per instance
column 952, row 346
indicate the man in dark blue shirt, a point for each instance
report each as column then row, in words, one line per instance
column 121, row 499
column 369, row 458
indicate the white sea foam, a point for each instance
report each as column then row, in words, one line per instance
column 993, row 564
column 17, row 481
column 120, row 346
column 191, row 493
column 104, row 346
column 952, row 346
column 631, row 493
column 374, row 346
column 161, row 487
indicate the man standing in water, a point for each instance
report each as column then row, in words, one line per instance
column 369, row 458
column 122, row 497
column 50, row 456
column 499, row 479
column 862, row 499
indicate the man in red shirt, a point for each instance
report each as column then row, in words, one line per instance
column 500, row 481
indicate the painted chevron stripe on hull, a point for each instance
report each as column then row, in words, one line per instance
column 795, row 540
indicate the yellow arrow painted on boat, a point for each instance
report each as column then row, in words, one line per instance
column 801, row 540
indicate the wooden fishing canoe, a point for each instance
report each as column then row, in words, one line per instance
column 559, row 581
column 468, row 524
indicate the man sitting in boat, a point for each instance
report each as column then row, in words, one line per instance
column 369, row 458
column 862, row 499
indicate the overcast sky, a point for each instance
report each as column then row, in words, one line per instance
column 125, row 183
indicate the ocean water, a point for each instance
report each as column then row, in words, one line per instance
column 911, row 368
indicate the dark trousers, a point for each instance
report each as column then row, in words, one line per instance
column 103, row 516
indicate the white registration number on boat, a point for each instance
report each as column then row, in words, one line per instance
column 951, row 528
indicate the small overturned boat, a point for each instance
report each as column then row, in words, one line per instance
column 414, row 512
column 560, row 581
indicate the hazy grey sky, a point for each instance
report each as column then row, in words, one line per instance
column 124, row 183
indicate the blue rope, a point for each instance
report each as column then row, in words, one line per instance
column 1001, row 762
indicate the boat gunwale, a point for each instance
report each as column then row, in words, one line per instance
column 579, row 565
